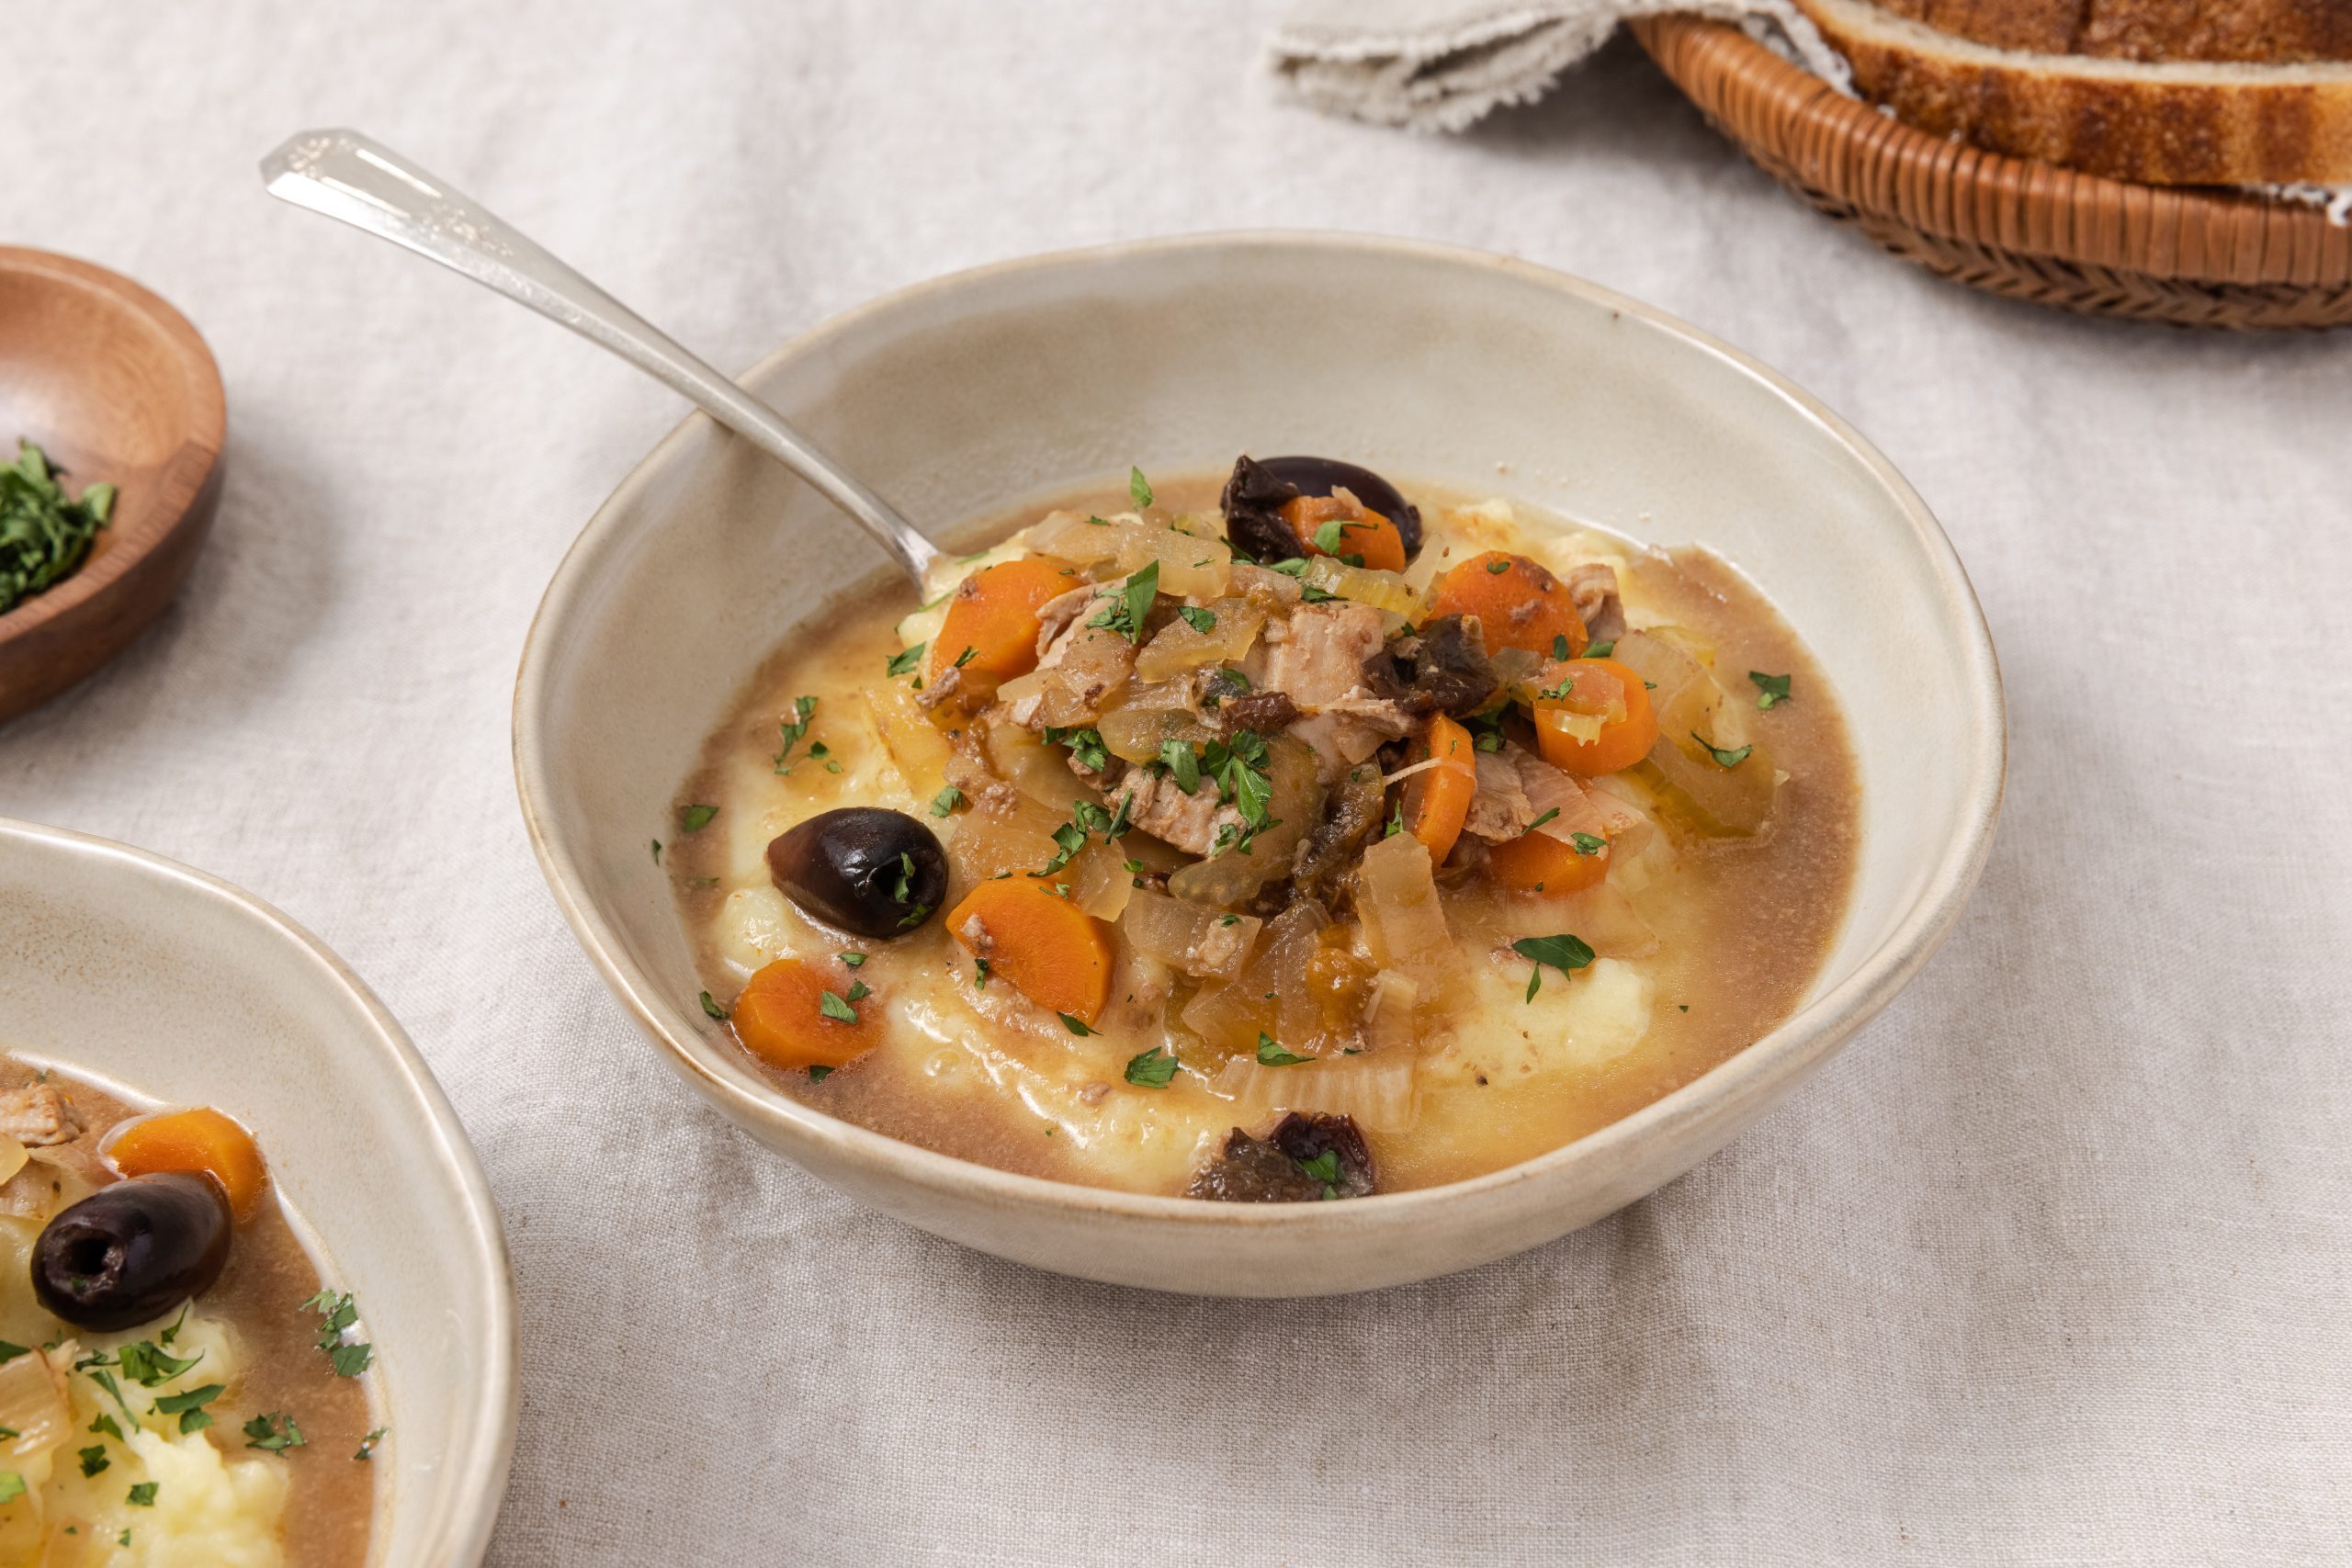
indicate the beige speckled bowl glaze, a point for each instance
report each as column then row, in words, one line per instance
column 962, row 398
column 170, row 986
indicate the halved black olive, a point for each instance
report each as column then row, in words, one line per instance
column 862, row 868
column 1258, row 490
column 130, row 1253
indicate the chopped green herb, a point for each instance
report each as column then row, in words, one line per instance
column 109, row 1426
column 93, row 1459
column 368, row 1444
column 820, row 1074
column 1498, row 566
column 147, row 1364
column 834, row 1008
column 1153, row 1068
column 1723, row 758
column 1075, row 1025
column 946, row 800
column 1310, row 594
column 43, row 534
column 1396, row 820
column 1563, row 953
column 1272, row 1053
column 656, row 851
column 1559, row 645
column 1138, row 489
column 1184, row 764
column 859, row 991
column 1228, row 920
column 1775, row 688
column 341, row 1313
column 1239, row 765
column 905, row 659
column 1098, row 522
column 713, row 1008
column 694, row 819
column 905, row 887
column 275, row 1433
column 1133, row 603
column 1134, row 867
column 189, row 1406
column 1599, row 650
column 852, row 959
column 122, row 1540
column 1589, row 844
column 1085, row 747
column 1488, row 740
column 12, row 1486
column 1324, row 1167
column 1540, row 821
column 979, row 974
column 1200, row 620
column 142, row 1496
column 965, row 658
column 793, row 730
column 10, row 1352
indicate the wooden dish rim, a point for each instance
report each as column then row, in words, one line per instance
column 181, row 484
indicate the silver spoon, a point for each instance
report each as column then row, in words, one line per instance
column 368, row 185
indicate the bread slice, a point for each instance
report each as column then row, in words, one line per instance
column 2267, row 32
column 2180, row 122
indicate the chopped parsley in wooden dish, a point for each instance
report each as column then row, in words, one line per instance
column 1269, row 837
column 45, row 533
column 177, row 1385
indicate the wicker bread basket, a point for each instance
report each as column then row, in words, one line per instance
column 2193, row 256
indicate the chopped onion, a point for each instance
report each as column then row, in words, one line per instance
column 1192, row 937
column 1180, row 645
column 1100, row 883
column 1025, row 762
column 1386, row 591
column 1022, row 687
column 1388, row 1019
column 1190, row 565
column 1086, row 672
column 32, row 1404
column 51, row 1178
column 1402, row 918
column 1016, row 836
column 1138, row 733
column 1230, row 1016
column 1555, row 797
column 1380, row 1090
column 917, row 748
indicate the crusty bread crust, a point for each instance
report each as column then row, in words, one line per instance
column 2248, row 32
column 2160, row 124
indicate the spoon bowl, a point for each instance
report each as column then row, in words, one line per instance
column 114, row 386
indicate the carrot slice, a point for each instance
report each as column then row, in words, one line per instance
column 1363, row 532
column 990, row 632
column 1052, row 951
column 1518, row 603
column 192, row 1141
column 1436, row 801
column 782, row 1018
column 1538, row 862
column 1605, row 688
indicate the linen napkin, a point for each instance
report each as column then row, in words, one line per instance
column 1441, row 64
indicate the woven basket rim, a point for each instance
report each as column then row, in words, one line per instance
column 1958, row 192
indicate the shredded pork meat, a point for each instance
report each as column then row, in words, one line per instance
column 37, row 1116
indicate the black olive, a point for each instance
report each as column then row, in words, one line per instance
column 131, row 1252
column 1258, row 490
column 865, row 869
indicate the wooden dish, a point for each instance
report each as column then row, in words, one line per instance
column 2189, row 256
column 114, row 385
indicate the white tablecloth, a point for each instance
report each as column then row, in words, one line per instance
column 2053, row 1264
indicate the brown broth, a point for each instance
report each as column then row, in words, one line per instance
column 330, row 1502
column 1743, row 925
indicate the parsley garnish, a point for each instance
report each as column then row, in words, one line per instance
column 1774, row 687
column 275, row 1433
column 1133, row 604
column 1396, row 821
column 820, row 1073
column 1324, row 1167
column 794, row 728
column 1184, row 764
column 340, row 1313
column 12, row 1485
column 834, row 1008
column 1138, row 489
column 368, row 1444
column 1085, row 745
column 1589, row 844
column 189, row 1406
column 852, row 959
column 1599, row 650
column 1559, row 645
column 905, row 659
column 979, row 974
column 93, row 1459
column 1539, row 821
column 1200, row 620
column 694, row 819
column 1723, row 758
column 1152, row 1069
column 1563, row 953
column 964, row 657
column 1499, row 566
column 142, row 1496
column 1076, row 1026
column 656, row 851
column 10, row 1352
column 147, row 1364
column 43, row 535
column 946, row 800
column 713, row 1008
column 1271, row 1053
column 1238, row 766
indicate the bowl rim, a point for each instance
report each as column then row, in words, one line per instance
column 207, row 432
column 464, row 1530
column 1788, row 1051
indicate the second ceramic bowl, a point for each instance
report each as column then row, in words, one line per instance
column 964, row 398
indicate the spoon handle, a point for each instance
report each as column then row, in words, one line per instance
column 368, row 185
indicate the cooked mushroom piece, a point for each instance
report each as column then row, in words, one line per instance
column 864, row 869
column 1258, row 489
column 1306, row 1157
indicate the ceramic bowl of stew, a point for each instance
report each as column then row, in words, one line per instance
column 983, row 399
column 359, row 1387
